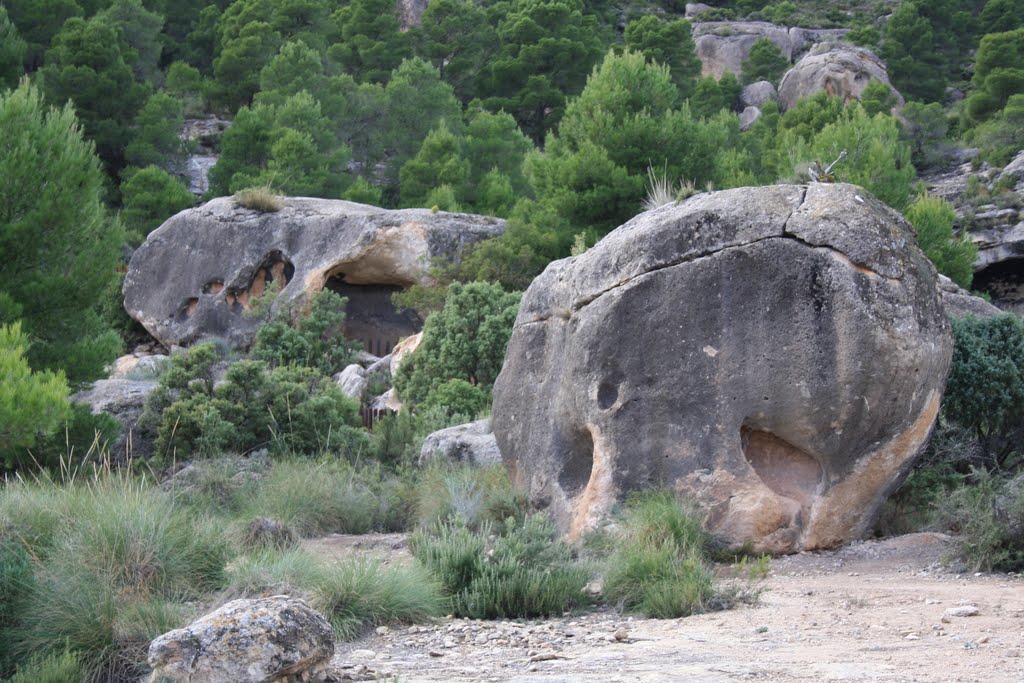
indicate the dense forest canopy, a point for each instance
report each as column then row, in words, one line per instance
column 556, row 114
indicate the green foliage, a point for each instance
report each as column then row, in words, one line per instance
column 591, row 176
column 156, row 140
column 989, row 516
column 363, row 192
column 16, row 582
column 764, row 63
column 522, row 572
column 924, row 129
column 712, row 96
column 89, row 64
column 52, row 668
column 314, row 341
column 458, row 397
column 877, row 98
column 669, row 43
column 151, row 195
column 877, row 159
column 1000, row 16
column 658, row 566
column 61, row 249
column 437, row 163
column 326, row 497
column 38, row 21
column 32, row 404
column 369, row 44
column 465, row 340
column 985, row 389
column 1002, row 136
column 140, row 29
column 456, row 37
column 12, row 52
column 932, row 218
column 536, row 35
column 998, row 73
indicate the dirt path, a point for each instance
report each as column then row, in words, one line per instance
column 873, row 611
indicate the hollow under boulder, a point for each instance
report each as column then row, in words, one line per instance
column 197, row 274
column 777, row 353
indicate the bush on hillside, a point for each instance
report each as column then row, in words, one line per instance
column 314, row 341
column 932, row 218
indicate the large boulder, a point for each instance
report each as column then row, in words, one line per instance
column 724, row 45
column 959, row 303
column 838, row 69
column 758, row 94
column 267, row 640
column 776, row 353
column 197, row 274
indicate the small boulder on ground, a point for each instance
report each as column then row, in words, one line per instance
column 758, row 94
column 470, row 444
column 352, row 381
column 278, row 639
column 124, row 400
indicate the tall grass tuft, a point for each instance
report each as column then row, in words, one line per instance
column 658, row 567
column 515, row 570
column 352, row 594
column 469, row 495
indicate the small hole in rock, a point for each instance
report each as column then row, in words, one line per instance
column 607, row 394
column 578, row 464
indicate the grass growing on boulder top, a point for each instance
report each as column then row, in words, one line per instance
column 261, row 199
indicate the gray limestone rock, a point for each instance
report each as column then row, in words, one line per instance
column 724, row 45
column 471, row 444
column 197, row 274
column 776, row 353
column 840, row 70
column 758, row 94
column 353, row 381
column 748, row 117
column 124, row 400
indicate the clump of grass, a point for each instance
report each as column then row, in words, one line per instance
column 518, row 570
column 352, row 595
column 469, row 495
column 659, row 567
column 261, row 199
column 53, row 668
column 329, row 496
column 113, row 561
column 264, row 533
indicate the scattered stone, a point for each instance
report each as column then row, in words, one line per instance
column 962, row 611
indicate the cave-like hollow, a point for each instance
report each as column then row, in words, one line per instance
column 370, row 317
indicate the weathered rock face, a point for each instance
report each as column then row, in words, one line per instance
column 410, row 13
column 268, row 640
column 776, row 353
column 758, row 94
column 840, row 70
column 724, row 45
column 959, row 303
column 353, row 382
column 748, row 117
column 471, row 444
column 124, row 400
column 196, row 274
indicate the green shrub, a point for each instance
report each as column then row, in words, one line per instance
column 522, row 571
column 989, row 516
column 290, row 410
column 315, row 341
column 16, row 582
column 457, row 397
column 764, row 63
column 985, row 389
column 466, row 340
column 658, row 567
column 932, row 218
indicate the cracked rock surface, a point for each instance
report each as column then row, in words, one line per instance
column 777, row 353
